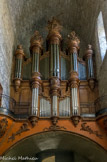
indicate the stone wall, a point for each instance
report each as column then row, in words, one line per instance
column 6, row 46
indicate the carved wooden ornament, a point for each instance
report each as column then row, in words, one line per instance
column 3, row 126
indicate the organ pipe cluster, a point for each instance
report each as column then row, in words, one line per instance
column 19, row 56
column 35, row 50
column 73, row 46
column 54, row 38
column 71, row 103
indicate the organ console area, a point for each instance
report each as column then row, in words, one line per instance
column 55, row 83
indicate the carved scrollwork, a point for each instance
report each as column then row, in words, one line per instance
column 54, row 128
column 105, row 124
column 22, row 129
column 3, row 126
column 87, row 128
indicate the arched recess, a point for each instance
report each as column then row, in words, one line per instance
column 58, row 140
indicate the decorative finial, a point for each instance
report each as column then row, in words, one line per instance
column 89, row 51
column 54, row 25
column 36, row 37
column 19, row 51
column 89, row 46
column 72, row 36
column 19, row 46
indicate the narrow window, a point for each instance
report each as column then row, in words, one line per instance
column 101, row 36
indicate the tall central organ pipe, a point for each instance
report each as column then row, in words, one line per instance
column 54, row 40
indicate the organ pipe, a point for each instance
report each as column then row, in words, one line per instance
column 73, row 46
column 54, row 39
column 19, row 56
column 90, row 71
column 35, row 49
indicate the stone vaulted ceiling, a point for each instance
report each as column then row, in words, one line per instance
column 30, row 15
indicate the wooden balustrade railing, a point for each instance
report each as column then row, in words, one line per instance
column 9, row 103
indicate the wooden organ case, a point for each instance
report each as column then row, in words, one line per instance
column 54, row 84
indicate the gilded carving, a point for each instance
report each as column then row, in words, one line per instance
column 3, row 126
column 87, row 128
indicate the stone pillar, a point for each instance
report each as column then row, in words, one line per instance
column 54, row 39
column 73, row 46
column 90, row 71
column 35, row 49
column 19, row 56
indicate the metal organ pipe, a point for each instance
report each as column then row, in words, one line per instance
column 73, row 46
column 54, row 39
column 36, row 42
column 90, row 68
column 90, row 71
column 89, row 60
column 64, row 107
column 19, row 55
column 57, row 54
column 35, row 90
column 18, row 67
column 54, row 60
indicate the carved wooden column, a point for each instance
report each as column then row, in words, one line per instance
column 73, row 46
column 90, row 71
column 35, row 49
column 54, row 38
column 19, row 56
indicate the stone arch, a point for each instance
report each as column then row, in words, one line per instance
column 58, row 140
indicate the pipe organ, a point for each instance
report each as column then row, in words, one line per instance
column 56, row 76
